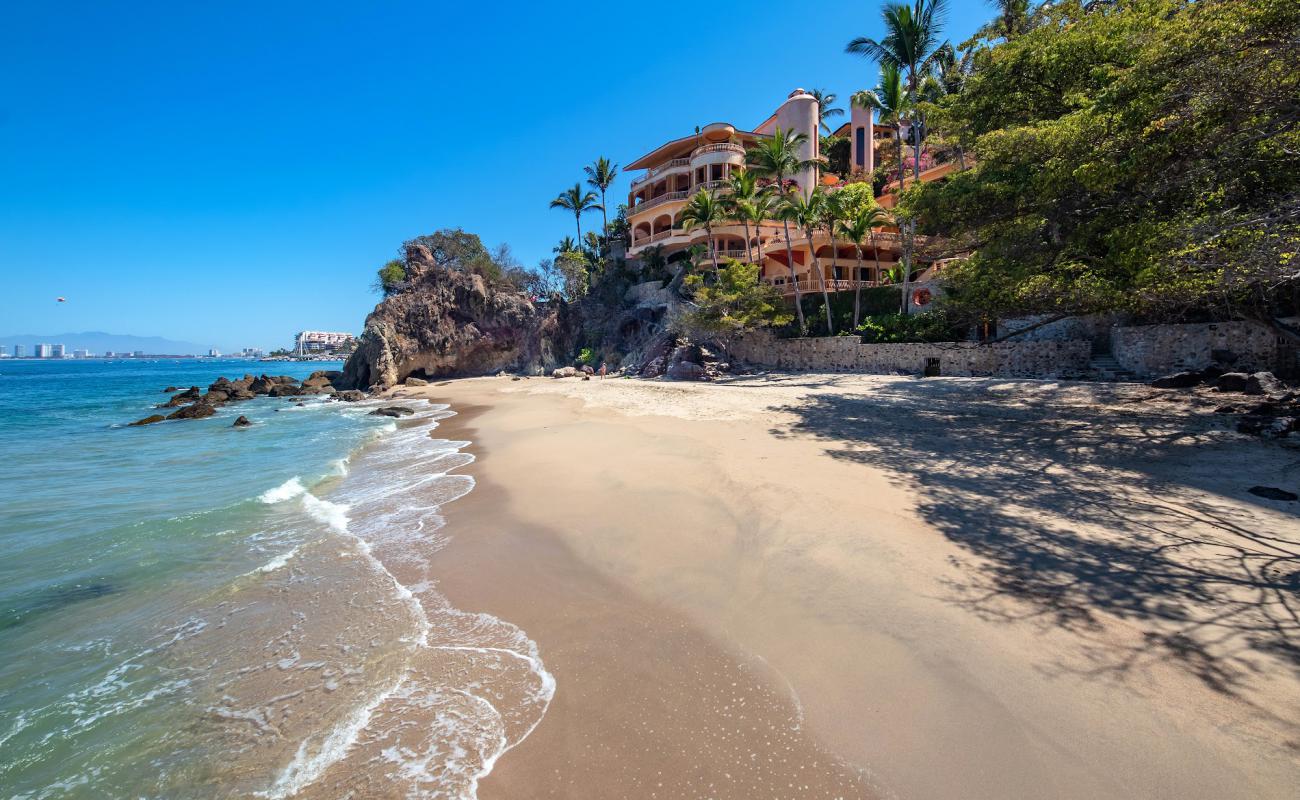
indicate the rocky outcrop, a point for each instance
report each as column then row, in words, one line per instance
column 196, row 411
column 149, row 420
column 241, row 422
column 450, row 323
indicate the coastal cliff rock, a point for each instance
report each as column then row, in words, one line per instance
column 451, row 323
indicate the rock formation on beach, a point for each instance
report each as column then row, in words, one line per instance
column 452, row 322
column 194, row 403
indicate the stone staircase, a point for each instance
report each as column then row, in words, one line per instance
column 1104, row 367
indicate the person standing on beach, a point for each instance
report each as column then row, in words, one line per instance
column 602, row 370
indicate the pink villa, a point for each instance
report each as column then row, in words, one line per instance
column 678, row 169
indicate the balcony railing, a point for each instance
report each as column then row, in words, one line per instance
column 721, row 147
column 808, row 285
column 656, row 201
column 661, row 169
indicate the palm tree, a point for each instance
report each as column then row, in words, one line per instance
column 743, row 192
column 600, row 175
column 777, row 158
column 889, row 99
column 566, row 245
column 824, row 109
column 1014, row 19
column 756, row 212
column 704, row 210
column 577, row 201
column 809, row 214
column 910, row 44
column 858, row 227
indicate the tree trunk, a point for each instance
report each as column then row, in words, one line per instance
column 907, row 263
column 794, row 279
column 748, row 250
column 875, row 252
column 604, row 232
column 902, row 168
column 857, row 290
column 821, row 281
column 713, row 249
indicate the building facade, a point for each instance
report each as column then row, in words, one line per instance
column 705, row 160
column 308, row 342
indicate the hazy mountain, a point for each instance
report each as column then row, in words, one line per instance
column 100, row 342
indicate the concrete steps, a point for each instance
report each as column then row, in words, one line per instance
column 1105, row 368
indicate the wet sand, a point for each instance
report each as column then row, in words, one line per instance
column 876, row 587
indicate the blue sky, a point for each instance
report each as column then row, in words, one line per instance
column 229, row 173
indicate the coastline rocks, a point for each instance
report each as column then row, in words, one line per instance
column 284, row 390
column 685, row 371
column 215, row 396
column 241, row 422
column 350, row 396
column 392, row 411
column 565, row 372
column 196, row 411
column 149, row 420
column 450, row 321
column 190, row 395
column 170, row 389
column 1273, row 493
column 416, row 382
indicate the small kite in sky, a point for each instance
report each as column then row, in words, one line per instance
column 63, row 299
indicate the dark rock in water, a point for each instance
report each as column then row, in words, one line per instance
column 1179, row 380
column 241, row 394
column 351, row 395
column 241, row 422
column 215, row 396
column 190, row 395
column 171, row 389
column 1273, row 493
column 300, row 405
column 149, row 420
column 284, row 390
column 451, row 322
column 261, row 385
column 196, row 411
column 392, row 411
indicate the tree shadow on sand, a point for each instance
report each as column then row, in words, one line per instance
column 1137, row 524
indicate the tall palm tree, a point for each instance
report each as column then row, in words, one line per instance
column 756, row 211
column 577, row 201
column 825, row 108
column 910, row 43
column 742, row 191
column 600, row 175
column 889, row 100
column 857, row 228
column 1015, row 18
column 777, row 157
column 809, row 214
column 704, row 210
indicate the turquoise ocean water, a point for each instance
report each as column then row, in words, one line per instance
column 193, row 610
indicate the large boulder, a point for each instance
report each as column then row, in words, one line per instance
column 565, row 372
column 190, row 395
column 351, row 396
column 216, row 396
column 196, row 411
column 1255, row 383
column 685, row 371
column 284, row 390
column 416, row 381
column 450, row 321
column 149, row 420
column 1179, row 380
column 241, row 422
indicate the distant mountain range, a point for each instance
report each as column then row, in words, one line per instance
column 100, row 342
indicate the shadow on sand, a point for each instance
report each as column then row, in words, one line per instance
column 1072, row 509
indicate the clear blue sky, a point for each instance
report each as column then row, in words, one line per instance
column 229, row 173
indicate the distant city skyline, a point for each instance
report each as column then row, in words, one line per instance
column 221, row 175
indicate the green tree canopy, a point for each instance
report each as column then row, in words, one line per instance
column 1139, row 154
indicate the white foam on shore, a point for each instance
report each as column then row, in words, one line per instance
column 277, row 562
column 285, row 491
column 387, row 506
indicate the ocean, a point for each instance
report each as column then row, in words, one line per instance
column 189, row 610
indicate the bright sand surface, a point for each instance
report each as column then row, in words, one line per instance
column 861, row 586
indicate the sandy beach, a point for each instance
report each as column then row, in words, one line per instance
column 865, row 586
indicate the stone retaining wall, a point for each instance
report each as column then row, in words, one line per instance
column 1045, row 359
column 1149, row 351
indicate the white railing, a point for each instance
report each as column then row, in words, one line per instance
column 660, row 200
column 721, row 147
column 661, row 169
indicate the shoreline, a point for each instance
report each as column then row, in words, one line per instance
column 638, row 547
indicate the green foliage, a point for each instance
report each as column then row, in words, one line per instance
column 736, row 301
column 1140, row 155
column 837, row 150
column 896, row 328
column 586, row 356
column 876, row 300
column 390, row 277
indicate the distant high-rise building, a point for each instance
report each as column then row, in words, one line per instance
column 20, row 350
column 44, row 351
column 56, row 351
column 137, row 354
column 81, row 354
column 214, row 353
column 4, row 351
